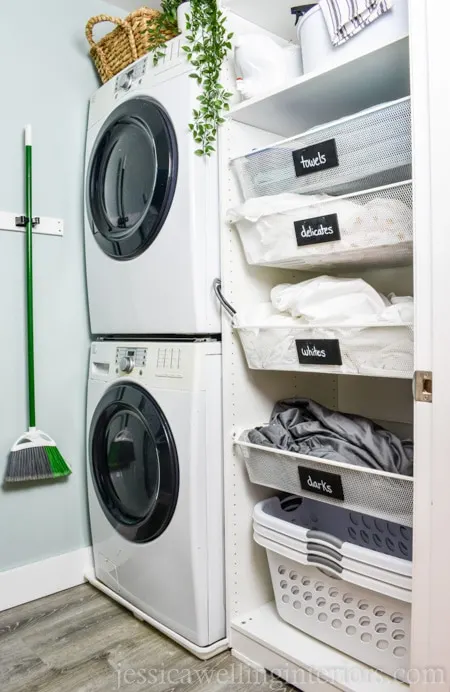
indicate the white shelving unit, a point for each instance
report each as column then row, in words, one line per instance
column 301, row 105
column 257, row 634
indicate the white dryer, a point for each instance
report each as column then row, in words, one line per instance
column 155, row 484
column 151, row 206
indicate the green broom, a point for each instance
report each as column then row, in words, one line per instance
column 35, row 455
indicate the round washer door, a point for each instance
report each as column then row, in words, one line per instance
column 134, row 462
column 132, row 177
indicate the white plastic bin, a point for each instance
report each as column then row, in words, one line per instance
column 344, row 531
column 384, row 574
column 364, row 229
column 386, row 496
column 369, row 149
column 318, row 52
column 378, row 351
column 371, row 627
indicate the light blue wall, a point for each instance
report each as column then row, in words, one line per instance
column 47, row 78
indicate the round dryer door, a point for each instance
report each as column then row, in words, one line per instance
column 132, row 177
column 134, row 462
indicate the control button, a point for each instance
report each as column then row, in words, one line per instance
column 127, row 364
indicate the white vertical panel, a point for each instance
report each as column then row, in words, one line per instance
column 431, row 118
column 249, row 396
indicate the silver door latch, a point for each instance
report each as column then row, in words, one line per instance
column 423, row 386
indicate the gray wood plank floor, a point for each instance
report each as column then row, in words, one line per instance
column 81, row 641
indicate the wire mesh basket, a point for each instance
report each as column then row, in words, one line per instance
column 364, row 229
column 386, row 496
column 378, row 351
column 369, row 149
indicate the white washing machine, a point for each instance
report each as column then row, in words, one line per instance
column 155, row 485
column 151, row 206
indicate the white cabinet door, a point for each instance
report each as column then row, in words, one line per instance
column 430, row 44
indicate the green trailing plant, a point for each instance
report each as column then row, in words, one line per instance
column 162, row 27
column 207, row 45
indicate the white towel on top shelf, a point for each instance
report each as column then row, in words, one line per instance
column 345, row 18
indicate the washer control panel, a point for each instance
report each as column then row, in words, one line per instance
column 130, row 77
column 127, row 359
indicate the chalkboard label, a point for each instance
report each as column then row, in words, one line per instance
column 321, row 483
column 319, row 229
column 318, row 351
column 315, row 158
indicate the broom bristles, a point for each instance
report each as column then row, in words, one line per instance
column 36, row 463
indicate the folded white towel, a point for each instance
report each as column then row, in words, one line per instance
column 345, row 18
column 338, row 301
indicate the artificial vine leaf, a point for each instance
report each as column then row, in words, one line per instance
column 208, row 43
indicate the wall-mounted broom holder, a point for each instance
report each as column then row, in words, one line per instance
column 43, row 225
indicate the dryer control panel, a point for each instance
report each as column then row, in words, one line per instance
column 127, row 359
column 125, row 81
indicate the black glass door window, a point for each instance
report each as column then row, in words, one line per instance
column 134, row 462
column 132, row 178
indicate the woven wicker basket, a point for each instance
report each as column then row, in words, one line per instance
column 129, row 41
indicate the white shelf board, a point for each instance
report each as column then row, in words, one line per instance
column 321, row 96
column 265, row 627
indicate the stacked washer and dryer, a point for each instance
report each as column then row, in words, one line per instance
column 155, row 477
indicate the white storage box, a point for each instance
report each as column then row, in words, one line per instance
column 379, row 494
column 365, row 229
column 318, row 52
column 378, row 351
column 369, row 149
column 347, row 533
column 372, row 628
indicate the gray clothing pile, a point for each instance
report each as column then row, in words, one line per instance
column 305, row 427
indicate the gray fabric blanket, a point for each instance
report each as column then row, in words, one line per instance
column 305, row 427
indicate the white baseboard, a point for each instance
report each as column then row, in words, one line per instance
column 39, row 579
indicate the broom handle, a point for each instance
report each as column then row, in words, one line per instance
column 29, row 241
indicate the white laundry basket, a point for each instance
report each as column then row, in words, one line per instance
column 356, row 489
column 369, row 149
column 346, row 533
column 378, row 351
column 364, row 229
column 369, row 626
column 318, row 51
column 384, row 574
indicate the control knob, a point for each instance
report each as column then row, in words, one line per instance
column 126, row 80
column 127, row 364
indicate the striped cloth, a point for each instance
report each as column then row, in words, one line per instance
column 345, row 18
